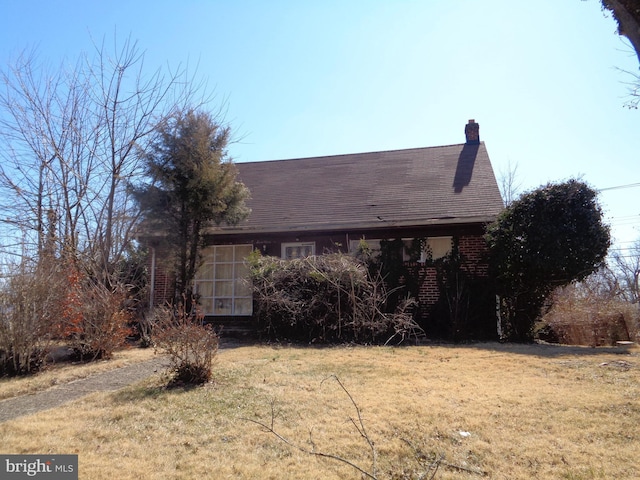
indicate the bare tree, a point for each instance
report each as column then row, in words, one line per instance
column 627, row 268
column 627, row 15
column 70, row 144
column 510, row 183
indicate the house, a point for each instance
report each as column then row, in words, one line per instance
column 309, row 206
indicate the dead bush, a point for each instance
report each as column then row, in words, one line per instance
column 584, row 316
column 28, row 308
column 190, row 344
column 324, row 299
column 94, row 321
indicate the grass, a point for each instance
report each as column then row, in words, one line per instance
column 531, row 411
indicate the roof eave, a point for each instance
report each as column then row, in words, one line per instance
column 350, row 226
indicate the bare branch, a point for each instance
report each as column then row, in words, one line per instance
column 510, row 183
column 285, row 440
column 71, row 139
column 359, row 426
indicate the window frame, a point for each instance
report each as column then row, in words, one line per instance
column 374, row 244
column 285, row 245
column 449, row 238
column 225, row 295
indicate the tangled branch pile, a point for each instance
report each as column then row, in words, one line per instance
column 325, row 299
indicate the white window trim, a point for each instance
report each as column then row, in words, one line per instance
column 234, row 295
column 284, row 246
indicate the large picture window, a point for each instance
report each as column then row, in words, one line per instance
column 220, row 282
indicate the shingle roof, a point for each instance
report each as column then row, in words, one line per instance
column 414, row 187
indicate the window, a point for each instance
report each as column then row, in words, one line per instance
column 373, row 244
column 298, row 250
column 439, row 247
column 220, row 281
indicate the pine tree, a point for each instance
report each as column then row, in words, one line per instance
column 192, row 186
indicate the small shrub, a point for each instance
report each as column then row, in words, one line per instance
column 190, row 344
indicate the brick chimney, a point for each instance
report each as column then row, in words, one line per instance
column 472, row 132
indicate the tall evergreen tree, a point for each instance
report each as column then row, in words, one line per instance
column 192, row 185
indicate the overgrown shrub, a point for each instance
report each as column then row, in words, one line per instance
column 466, row 305
column 465, row 309
column 29, row 301
column 402, row 279
column 95, row 320
column 57, row 299
column 324, row 299
column 582, row 316
column 190, row 344
column 548, row 238
column 132, row 275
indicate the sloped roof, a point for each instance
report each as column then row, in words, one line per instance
column 452, row 184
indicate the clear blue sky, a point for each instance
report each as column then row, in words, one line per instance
column 544, row 79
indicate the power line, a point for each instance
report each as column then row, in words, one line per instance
column 625, row 220
column 615, row 248
column 619, row 187
column 635, row 216
column 625, row 242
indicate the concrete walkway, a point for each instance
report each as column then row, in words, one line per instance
column 60, row 394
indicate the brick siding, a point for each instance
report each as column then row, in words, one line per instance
column 163, row 283
column 473, row 248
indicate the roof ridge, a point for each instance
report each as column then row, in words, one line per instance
column 353, row 154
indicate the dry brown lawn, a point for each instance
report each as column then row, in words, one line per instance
column 486, row 411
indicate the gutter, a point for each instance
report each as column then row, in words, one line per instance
column 333, row 227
